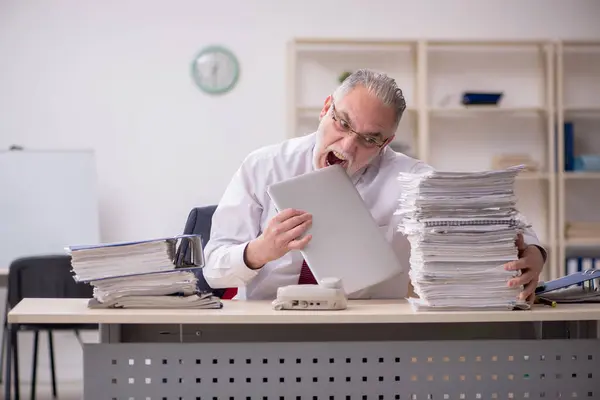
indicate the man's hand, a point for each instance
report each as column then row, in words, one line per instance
column 281, row 236
column 530, row 263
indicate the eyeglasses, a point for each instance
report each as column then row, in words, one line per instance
column 342, row 125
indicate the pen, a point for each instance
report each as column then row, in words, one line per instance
column 540, row 287
column 541, row 300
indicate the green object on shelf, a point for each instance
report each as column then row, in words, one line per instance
column 344, row 75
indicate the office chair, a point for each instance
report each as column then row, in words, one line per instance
column 199, row 222
column 39, row 277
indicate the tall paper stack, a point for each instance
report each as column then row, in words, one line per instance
column 462, row 228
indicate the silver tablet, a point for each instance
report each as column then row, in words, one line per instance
column 346, row 241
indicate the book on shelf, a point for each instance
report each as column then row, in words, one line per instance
column 462, row 228
column 575, row 264
column 569, row 146
column 143, row 274
column 577, row 162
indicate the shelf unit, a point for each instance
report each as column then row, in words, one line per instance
column 578, row 103
column 535, row 78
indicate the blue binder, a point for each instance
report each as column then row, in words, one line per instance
column 569, row 280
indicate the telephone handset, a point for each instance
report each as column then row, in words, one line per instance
column 327, row 295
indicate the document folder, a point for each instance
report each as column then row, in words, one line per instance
column 566, row 281
column 121, row 259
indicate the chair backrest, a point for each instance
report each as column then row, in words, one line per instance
column 199, row 221
column 44, row 277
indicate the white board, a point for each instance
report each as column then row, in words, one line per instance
column 48, row 200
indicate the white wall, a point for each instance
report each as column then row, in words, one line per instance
column 113, row 76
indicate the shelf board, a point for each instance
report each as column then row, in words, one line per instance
column 485, row 43
column 352, row 46
column 583, row 242
column 582, row 175
column 529, row 176
column 307, row 111
column 593, row 108
column 484, row 110
column 582, row 112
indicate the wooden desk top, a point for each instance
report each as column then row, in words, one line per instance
column 260, row 312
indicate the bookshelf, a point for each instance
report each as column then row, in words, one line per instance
column 578, row 123
column 544, row 83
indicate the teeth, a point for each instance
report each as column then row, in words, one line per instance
column 338, row 155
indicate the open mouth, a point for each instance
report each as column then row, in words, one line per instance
column 333, row 158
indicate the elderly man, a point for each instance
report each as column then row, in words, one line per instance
column 253, row 248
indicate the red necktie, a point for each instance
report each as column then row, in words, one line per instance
column 229, row 293
column 306, row 276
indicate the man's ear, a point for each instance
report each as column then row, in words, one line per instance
column 325, row 108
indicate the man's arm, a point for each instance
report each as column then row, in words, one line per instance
column 235, row 223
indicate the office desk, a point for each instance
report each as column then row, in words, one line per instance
column 372, row 350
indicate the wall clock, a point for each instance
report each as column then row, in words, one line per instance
column 215, row 70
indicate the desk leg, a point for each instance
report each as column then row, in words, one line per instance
column 110, row 333
column 12, row 364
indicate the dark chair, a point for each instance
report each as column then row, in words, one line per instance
column 39, row 277
column 199, row 222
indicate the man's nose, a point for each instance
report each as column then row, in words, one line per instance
column 350, row 143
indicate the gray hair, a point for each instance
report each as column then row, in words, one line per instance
column 380, row 85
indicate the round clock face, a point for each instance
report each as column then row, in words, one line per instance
column 215, row 70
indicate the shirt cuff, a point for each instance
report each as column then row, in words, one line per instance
column 239, row 268
column 531, row 241
column 230, row 270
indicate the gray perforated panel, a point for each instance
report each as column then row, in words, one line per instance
column 548, row 369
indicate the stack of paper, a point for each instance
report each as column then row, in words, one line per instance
column 118, row 259
column 462, row 228
column 181, row 282
column 141, row 274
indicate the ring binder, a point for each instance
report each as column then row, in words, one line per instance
column 150, row 256
column 143, row 274
column 567, row 281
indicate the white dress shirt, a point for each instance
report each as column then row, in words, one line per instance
column 245, row 211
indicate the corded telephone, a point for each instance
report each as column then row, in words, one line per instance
column 327, row 295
